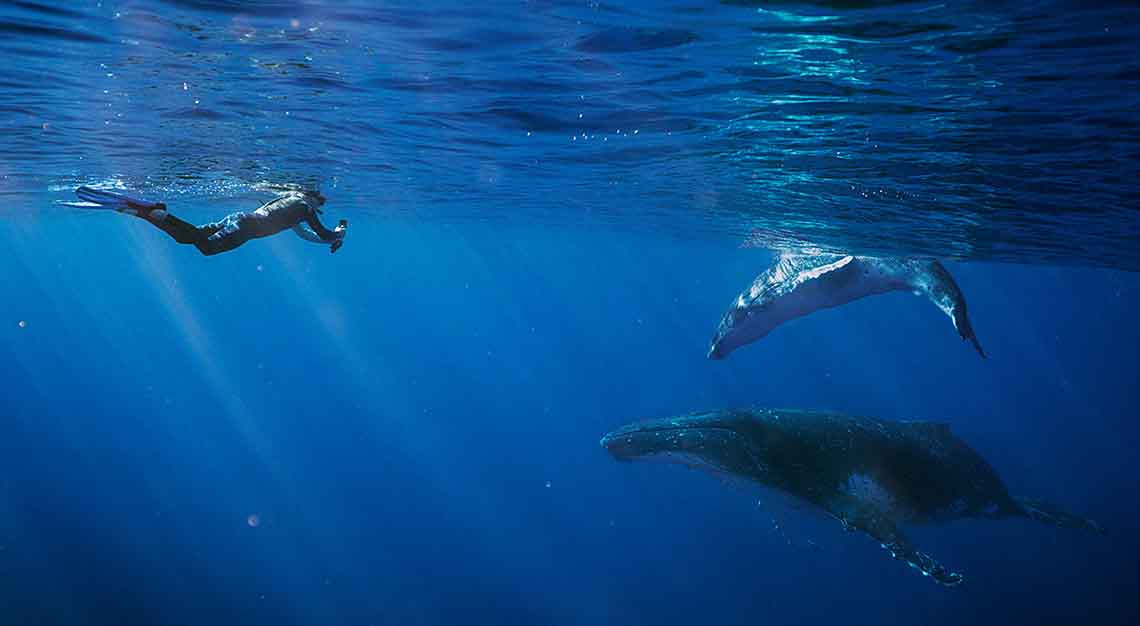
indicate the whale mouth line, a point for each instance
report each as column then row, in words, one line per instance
column 691, row 439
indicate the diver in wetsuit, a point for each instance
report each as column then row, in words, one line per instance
column 297, row 210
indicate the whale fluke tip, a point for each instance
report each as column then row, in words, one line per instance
column 1051, row 514
column 978, row 347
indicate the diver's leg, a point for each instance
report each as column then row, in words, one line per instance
column 856, row 515
column 228, row 234
column 185, row 232
column 179, row 230
column 209, row 238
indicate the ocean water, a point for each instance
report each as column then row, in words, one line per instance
column 551, row 204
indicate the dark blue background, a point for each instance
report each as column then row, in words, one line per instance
column 394, row 413
column 548, row 203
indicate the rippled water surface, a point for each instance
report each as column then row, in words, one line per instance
column 973, row 130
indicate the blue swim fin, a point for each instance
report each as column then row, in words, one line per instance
column 118, row 202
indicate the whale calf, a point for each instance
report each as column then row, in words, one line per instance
column 801, row 284
column 872, row 475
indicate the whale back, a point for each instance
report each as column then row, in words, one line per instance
column 921, row 469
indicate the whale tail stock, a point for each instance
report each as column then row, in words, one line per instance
column 1052, row 514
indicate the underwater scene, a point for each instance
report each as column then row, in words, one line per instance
column 560, row 312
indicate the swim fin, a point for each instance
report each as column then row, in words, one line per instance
column 118, row 202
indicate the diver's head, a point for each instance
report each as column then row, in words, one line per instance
column 718, row 440
column 314, row 197
column 747, row 320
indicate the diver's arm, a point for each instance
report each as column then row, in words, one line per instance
column 316, row 232
column 306, row 233
column 326, row 235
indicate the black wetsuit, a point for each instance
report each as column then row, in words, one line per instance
column 235, row 229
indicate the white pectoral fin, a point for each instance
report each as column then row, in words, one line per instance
column 858, row 516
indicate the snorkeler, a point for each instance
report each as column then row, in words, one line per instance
column 294, row 209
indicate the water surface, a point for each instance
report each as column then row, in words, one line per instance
column 977, row 130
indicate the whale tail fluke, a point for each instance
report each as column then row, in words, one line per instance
column 1052, row 514
column 978, row 346
column 965, row 329
column 938, row 285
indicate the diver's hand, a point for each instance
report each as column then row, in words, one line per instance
column 339, row 231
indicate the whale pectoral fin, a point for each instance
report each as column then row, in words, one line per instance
column 857, row 516
column 1052, row 514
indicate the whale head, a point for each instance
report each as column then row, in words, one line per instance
column 718, row 441
column 796, row 285
column 747, row 320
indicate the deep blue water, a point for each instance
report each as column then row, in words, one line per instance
column 551, row 204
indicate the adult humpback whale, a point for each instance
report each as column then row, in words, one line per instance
column 870, row 474
column 801, row 284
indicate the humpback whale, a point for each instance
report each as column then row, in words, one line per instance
column 801, row 284
column 872, row 475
